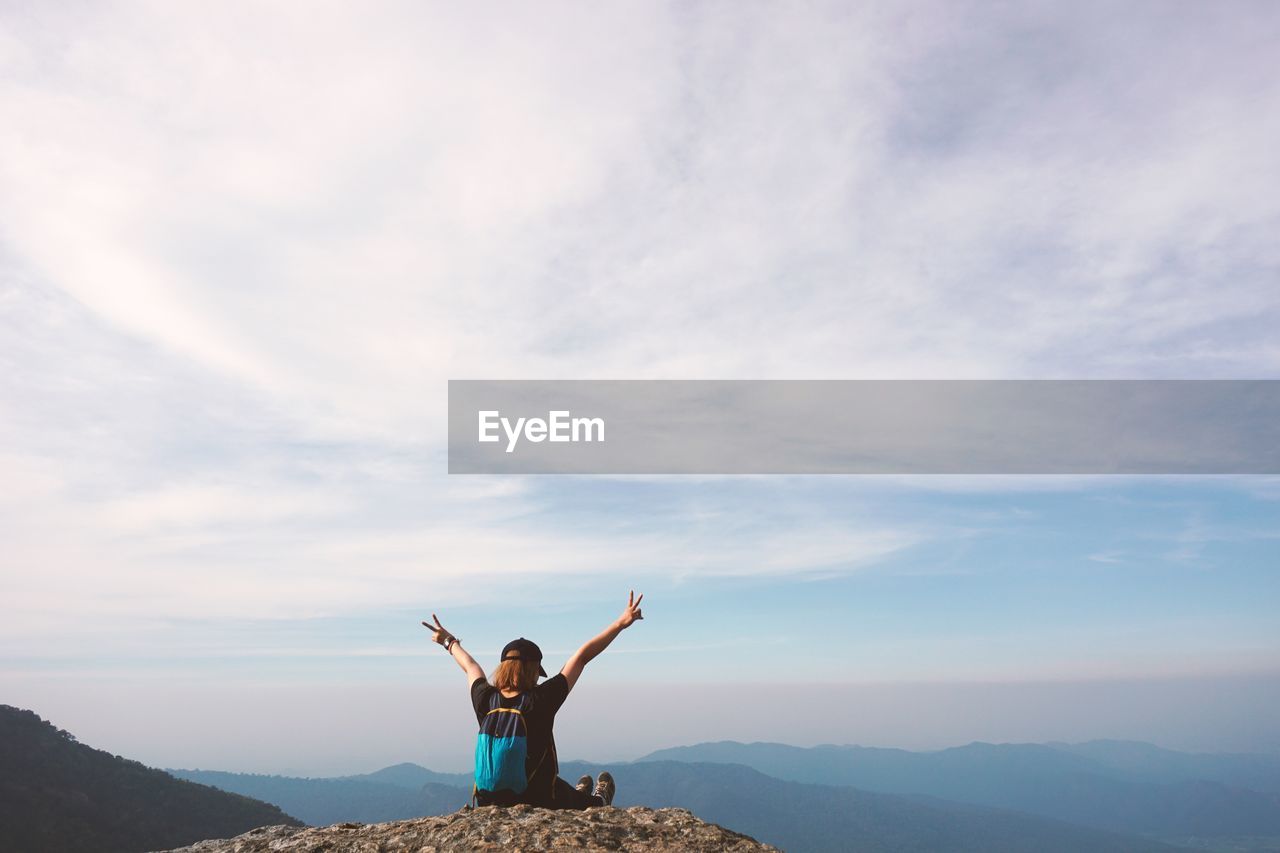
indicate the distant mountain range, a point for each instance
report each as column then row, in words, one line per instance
column 876, row 767
column 58, row 795
column 809, row 817
column 360, row 799
column 1145, row 762
column 1115, row 785
column 1104, row 797
column 792, row 815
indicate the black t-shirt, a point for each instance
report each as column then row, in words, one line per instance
column 541, row 765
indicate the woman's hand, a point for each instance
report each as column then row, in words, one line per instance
column 632, row 611
column 439, row 634
column 630, row 614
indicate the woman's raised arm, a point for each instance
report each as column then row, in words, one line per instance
column 601, row 641
column 452, row 645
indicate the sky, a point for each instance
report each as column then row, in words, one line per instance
column 243, row 247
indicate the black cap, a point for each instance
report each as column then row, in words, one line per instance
column 524, row 650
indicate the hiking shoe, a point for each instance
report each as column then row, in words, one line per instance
column 605, row 788
column 584, row 785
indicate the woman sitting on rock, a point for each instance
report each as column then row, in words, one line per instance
column 516, row 750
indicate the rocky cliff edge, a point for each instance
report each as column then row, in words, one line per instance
column 490, row 828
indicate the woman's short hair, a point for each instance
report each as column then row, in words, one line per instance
column 515, row 674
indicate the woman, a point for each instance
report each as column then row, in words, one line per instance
column 518, row 705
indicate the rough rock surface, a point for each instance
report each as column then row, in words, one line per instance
column 492, row 828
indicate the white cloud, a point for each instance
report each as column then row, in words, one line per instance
column 344, row 208
column 187, row 506
column 242, row 248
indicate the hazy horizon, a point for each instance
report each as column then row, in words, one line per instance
column 271, row 733
column 243, row 248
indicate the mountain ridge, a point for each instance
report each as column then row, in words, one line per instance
column 806, row 814
column 1037, row 779
column 800, row 817
column 59, row 794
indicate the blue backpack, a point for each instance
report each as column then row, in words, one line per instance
column 502, row 748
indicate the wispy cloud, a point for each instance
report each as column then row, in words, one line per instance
column 243, row 247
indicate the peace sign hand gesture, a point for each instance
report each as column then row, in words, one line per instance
column 631, row 612
column 439, row 634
